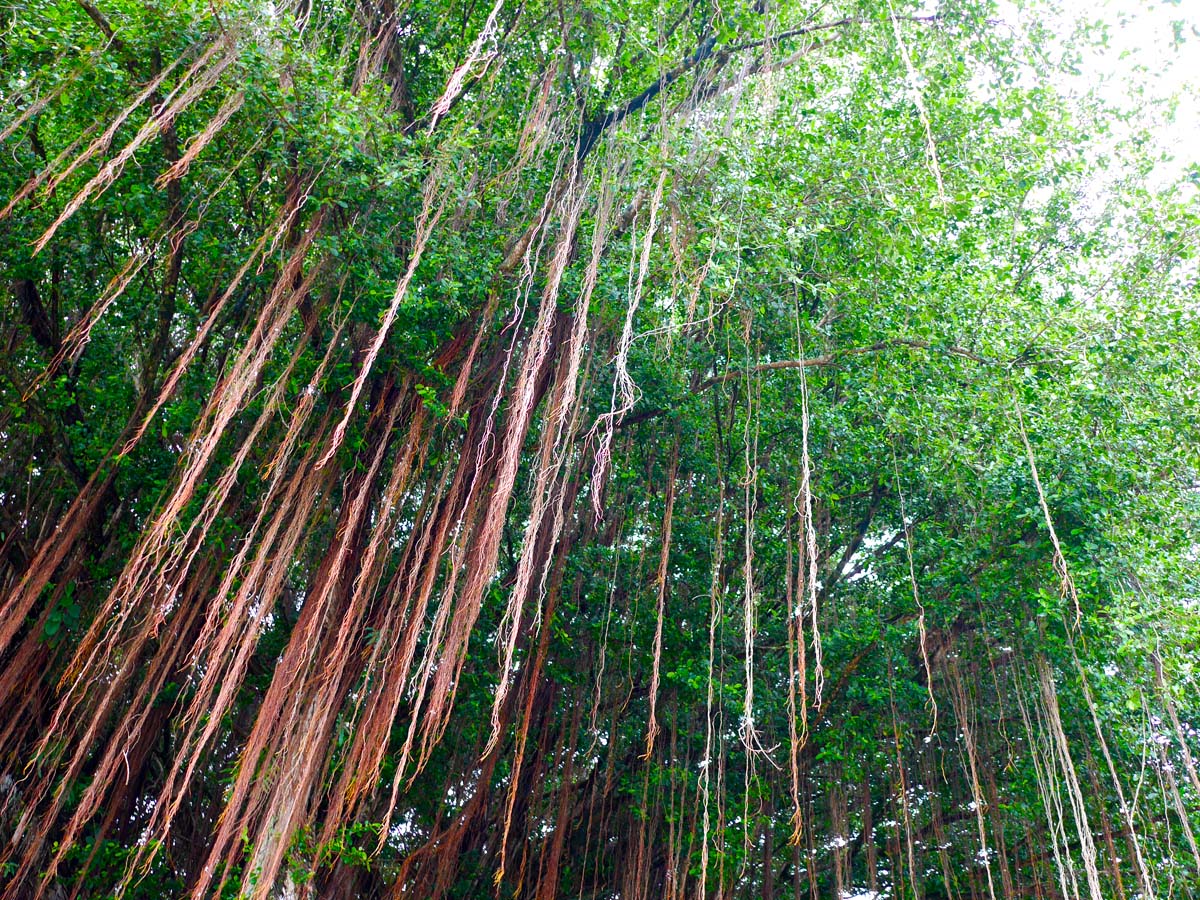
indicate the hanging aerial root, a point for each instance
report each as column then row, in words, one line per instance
column 660, row 583
column 624, row 393
column 1044, row 761
column 1066, row 583
column 1126, row 811
column 536, row 132
column 137, row 580
column 962, row 711
column 714, row 616
column 432, row 206
column 279, row 764
column 51, row 553
column 444, row 515
column 1164, row 690
column 102, row 143
column 534, row 688
column 749, row 482
column 922, row 636
column 133, row 730
column 1058, row 739
column 45, row 100
column 177, row 101
column 76, row 340
column 140, row 588
column 914, row 87
column 123, row 658
column 555, row 438
column 455, row 85
column 39, row 178
column 353, row 780
column 304, row 756
column 459, row 392
column 902, row 786
column 201, row 140
column 227, row 645
column 797, row 677
column 548, row 881
column 1188, row 763
column 454, row 516
column 809, row 556
column 282, row 223
column 485, row 545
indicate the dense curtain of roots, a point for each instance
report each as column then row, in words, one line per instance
column 442, row 597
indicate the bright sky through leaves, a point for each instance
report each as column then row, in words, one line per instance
column 1145, row 56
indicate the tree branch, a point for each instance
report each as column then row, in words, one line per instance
column 102, row 23
column 597, row 125
column 829, row 359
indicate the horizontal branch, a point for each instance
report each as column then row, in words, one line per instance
column 829, row 359
column 824, row 26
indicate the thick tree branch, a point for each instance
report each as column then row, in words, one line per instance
column 596, row 126
column 41, row 326
column 102, row 23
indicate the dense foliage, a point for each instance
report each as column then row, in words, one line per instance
column 631, row 450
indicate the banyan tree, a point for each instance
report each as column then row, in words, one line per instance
column 552, row 449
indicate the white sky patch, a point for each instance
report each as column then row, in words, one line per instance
column 1145, row 59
